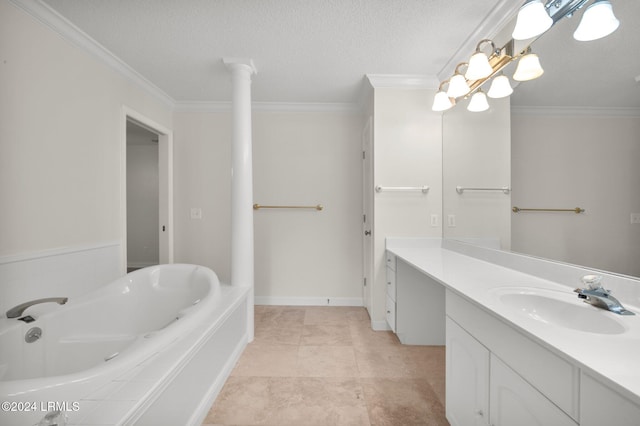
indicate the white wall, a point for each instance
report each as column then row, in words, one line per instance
column 572, row 160
column 300, row 158
column 142, row 199
column 61, row 141
column 407, row 152
column 477, row 153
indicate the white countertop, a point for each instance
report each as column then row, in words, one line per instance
column 614, row 359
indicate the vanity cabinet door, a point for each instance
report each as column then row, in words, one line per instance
column 516, row 402
column 467, row 378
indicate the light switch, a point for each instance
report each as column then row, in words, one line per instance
column 635, row 217
column 451, row 221
column 196, row 213
column 434, row 220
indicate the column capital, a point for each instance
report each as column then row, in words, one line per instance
column 245, row 64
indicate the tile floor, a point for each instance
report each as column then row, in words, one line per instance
column 325, row 366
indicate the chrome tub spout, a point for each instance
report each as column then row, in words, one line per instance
column 17, row 311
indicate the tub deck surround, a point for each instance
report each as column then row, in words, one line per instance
column 166, row 322
column 480, row 274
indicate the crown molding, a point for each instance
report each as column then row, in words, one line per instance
column 206, row 106
column 402, row 81
column 58, row 23
column 575, row 110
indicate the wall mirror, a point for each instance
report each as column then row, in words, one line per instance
column 574, row 142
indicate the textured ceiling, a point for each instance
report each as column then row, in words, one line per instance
column 320, row 50
column 304, row 50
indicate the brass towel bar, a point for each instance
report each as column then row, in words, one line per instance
column 577, row 210
column 260, row 206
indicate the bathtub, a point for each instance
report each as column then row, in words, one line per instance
column 153, row 347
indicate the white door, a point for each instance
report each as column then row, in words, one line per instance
column 367, row 214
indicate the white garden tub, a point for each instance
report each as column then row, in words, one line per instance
column 156, row 343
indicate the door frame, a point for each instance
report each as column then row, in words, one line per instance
column 165, row 184
column 367, row 212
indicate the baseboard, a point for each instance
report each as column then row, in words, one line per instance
column 380, row 325
column 308, row 301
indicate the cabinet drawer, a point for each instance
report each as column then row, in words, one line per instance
column 391, row 261
column 391, row 284
column 558, row 380
column 391, row 313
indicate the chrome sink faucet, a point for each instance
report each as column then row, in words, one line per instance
column 596, row 295
column 17, row 311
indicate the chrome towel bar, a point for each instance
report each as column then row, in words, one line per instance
column 577, row 210
column 260, row 206
column 423, row 189
column 461, row 189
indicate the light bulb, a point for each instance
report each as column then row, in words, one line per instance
column 500, row 87
column 528, row 68
column 441, row 102
column 597, row 21
column 532, row 21
column 479, row 67
column 478, row 102
column 458, row 86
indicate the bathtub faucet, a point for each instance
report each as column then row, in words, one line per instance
column 17, row 311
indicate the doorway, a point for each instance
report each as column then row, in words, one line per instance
column 143, row 223
column 146, row 194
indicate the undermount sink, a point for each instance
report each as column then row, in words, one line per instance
column 559, row 308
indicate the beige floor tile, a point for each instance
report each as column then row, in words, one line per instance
column 406, row 402
column 290, row 402
column 335, row 315
column 326, row 334
column 319, row 366
column 279, row 315
column 363, row 335
column 385, row 361
column 326, row 361
column 278, row 334
column 267, row 360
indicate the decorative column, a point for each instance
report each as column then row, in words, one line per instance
column 242, row 182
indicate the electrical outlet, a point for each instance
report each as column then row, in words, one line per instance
column 635, row 218
column 196, row 213
column 451, row 221
column 434, row 220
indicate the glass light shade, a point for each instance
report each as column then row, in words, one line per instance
column 532, row 21
column 478, row 102
column 500, row 87
column 528, row 68
column 479, row 67
column 458, row 86
column 597, row 21
column 441, row 102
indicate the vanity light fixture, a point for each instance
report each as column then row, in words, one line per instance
column 478, row 102
column 500, row 87
column 458, row 85
column 479, row 66
column 597, row 21
column 442, row 101
column 528, row 68
column 532, row 20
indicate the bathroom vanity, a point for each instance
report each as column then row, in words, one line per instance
column 521, row 347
